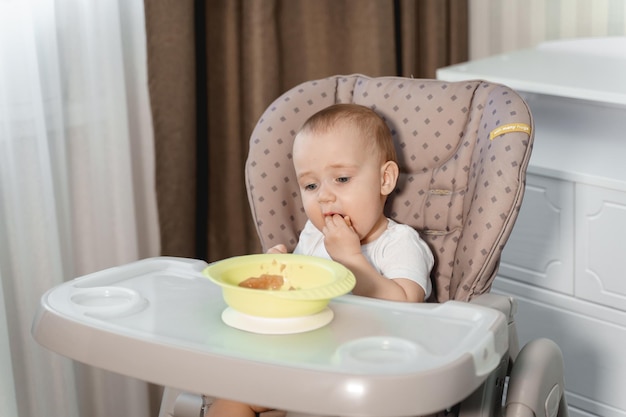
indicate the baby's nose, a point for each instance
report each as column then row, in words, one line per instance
column 325, row 194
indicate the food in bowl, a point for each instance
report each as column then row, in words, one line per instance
column 309, row 283
column 264, row 282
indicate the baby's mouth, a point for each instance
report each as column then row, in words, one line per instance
column 347, row 219
column 331, row 214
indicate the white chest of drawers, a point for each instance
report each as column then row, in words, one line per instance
column 566, row 259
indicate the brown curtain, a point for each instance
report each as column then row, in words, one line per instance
column 215, row 66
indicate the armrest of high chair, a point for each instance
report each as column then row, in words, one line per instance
column 508, row 306
column 536, row 387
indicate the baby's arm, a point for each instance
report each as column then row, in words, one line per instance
column 343, row 245
column 370, row 283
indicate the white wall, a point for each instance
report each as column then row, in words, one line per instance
column 498, row 26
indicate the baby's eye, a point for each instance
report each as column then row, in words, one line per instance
column 343, row 179
column 310, row 187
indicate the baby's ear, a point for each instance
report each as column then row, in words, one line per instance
column 388, row 177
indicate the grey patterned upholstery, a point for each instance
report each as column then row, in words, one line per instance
column 458, row 187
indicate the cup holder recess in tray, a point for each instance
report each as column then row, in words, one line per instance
column 376, row 353
column 108, row 302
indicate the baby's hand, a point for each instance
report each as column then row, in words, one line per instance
column 340, row 238
column 348, row 221
column 280, row 248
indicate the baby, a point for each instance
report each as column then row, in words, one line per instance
column 346, row 167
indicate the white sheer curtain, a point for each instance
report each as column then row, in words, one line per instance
column 76, row 186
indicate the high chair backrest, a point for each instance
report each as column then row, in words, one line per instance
column 463, row 149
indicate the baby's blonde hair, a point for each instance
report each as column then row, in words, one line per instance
column 369, row 123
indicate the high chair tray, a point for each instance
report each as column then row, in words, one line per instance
column 159, row 320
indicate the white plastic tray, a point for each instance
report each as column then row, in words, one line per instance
column 159, row 320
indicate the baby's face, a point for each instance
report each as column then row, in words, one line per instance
column 339, row 174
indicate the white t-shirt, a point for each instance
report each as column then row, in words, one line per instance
column 398, row 253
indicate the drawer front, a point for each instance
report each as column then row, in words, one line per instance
column 601, row 246
column 591, row 337
column 540, row 250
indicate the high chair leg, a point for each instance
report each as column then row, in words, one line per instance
column 175, row 403
column 536, row 385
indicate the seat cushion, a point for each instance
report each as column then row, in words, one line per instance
column 459, row 187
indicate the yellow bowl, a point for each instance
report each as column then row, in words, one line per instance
column 310, row 283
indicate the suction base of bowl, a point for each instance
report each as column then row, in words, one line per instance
column 267, row 325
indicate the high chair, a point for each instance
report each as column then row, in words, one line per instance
column 463, row 150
